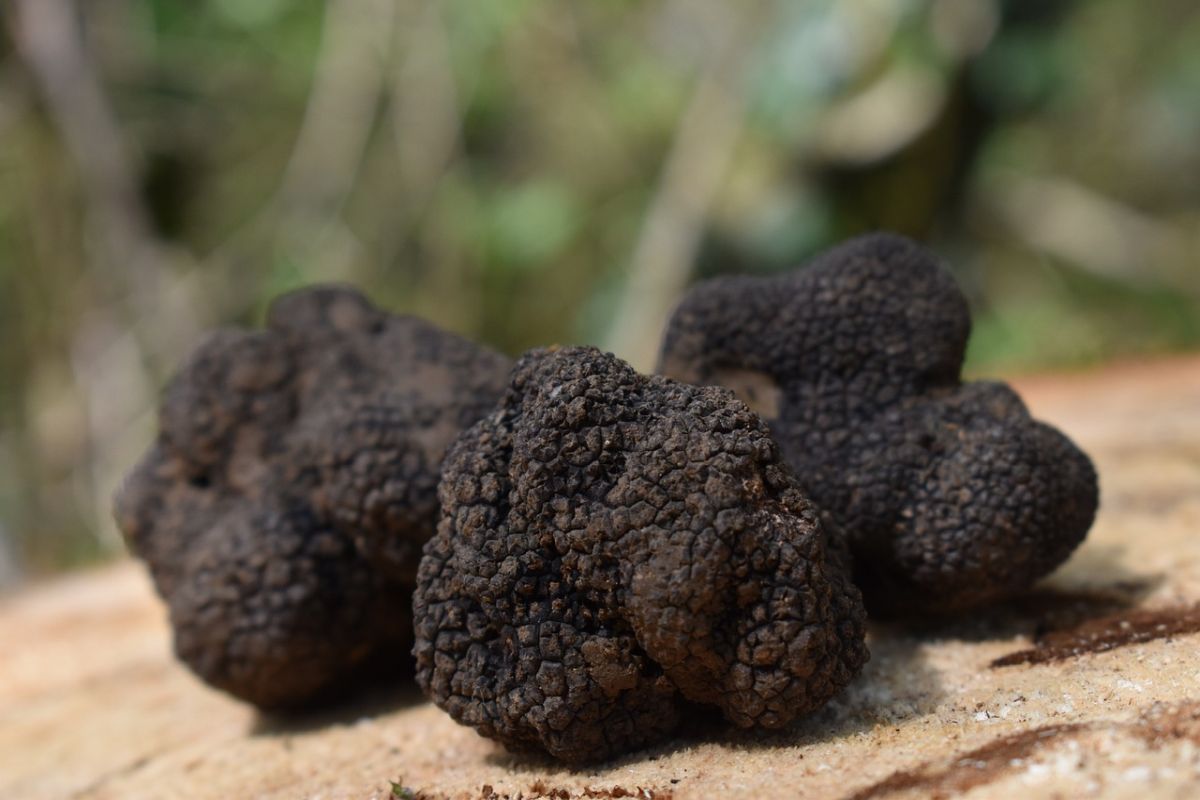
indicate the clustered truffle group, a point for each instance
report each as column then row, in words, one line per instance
column 603, row 551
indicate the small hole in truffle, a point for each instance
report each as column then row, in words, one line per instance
column 202, row 481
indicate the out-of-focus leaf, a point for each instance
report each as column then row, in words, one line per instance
column 532, row 222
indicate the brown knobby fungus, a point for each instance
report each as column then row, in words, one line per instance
column 615, row 548
column 283, row 506
column 948, row 493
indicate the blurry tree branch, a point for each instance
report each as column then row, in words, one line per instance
column 426, row 126
column 425, row 108
column 1096, row 233
column 347, row 85
column 303, row 217
column 133, row 261
column 695, row 165
column 49, row 35
column 143, row 318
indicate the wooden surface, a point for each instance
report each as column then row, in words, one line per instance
column 1100, row 695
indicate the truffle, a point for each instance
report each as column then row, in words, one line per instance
column 614, row 548
column 949, row 493
column 283, row 506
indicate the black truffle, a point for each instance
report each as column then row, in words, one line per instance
column 949, row 494
column 283, row 507
column 615, row 547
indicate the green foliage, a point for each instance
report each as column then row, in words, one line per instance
column 402, row 792
column 529, row 225
column 493, row 165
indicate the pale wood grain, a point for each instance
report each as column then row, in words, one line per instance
column 92, row 705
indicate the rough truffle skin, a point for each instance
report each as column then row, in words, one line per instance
column 293, row 482
column 949, row 493
column 614, row 548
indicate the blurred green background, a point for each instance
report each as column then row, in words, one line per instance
column 533, row 171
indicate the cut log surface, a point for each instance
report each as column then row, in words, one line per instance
column 1087, row 687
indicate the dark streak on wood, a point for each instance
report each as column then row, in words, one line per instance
column 1158, row 725
column 974, row 768
column 540, row 790
column 1107, row 633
